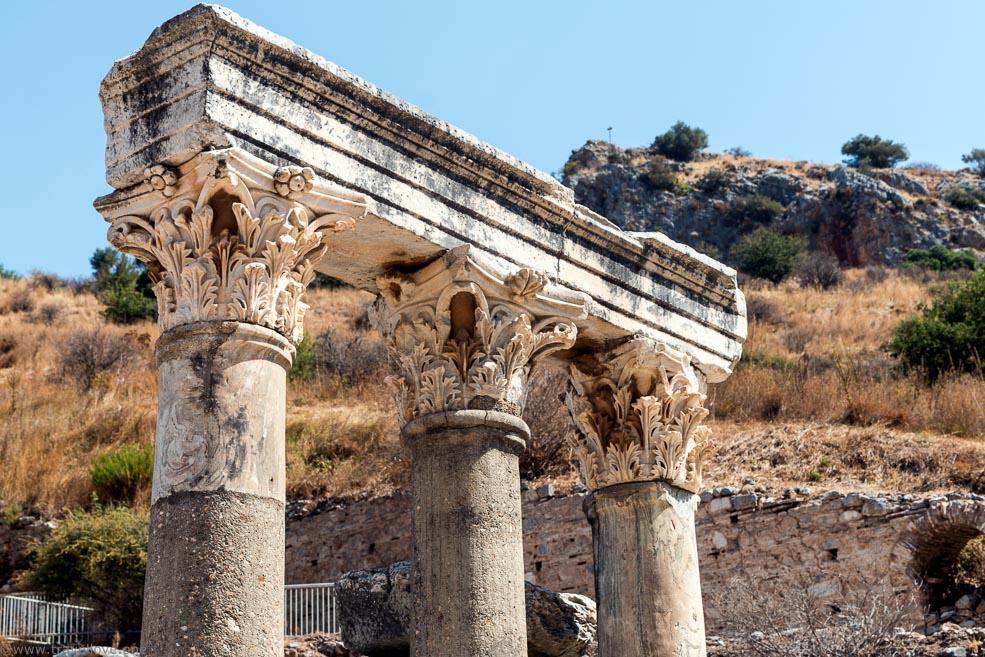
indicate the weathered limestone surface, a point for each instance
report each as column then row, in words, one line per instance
column 210, row 80
column 646, row 570
column 830, row 537
column 375, row 609
column 230, row 243
column 215, row 567
column 235, row 156
column 221, row 407
column 462, row 337
column 468, row 536
column 640, row 444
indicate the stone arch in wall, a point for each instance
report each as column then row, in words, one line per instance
column 937, row 538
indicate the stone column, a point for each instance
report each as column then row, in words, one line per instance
column 231, row 257
column 640, row 446
column 462, row 338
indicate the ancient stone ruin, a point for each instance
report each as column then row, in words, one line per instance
column 242, row 165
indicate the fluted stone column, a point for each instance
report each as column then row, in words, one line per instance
column 640, row 446
column 231, row 251
column 462, row 338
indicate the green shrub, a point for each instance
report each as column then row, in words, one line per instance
column 326, row 282
column 123, row 286
column 119, row 475
column 125, row 304
column 875, row 152
column 681, row 142
column 714, row 181
column 947, row 335
column 8, row 274
column 305, row 364
column 659, row 174
column 738, row 151
column 98, row 557
column 940, row 258
column 976, row 158
column 10, row 514
column 767, row 254
column 755, row 208
column 964, row 197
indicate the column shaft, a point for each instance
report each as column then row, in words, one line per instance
column 646, row 571
column 468, row 535
column 215, row 562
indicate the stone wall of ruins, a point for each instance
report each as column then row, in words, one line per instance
column 829, row 539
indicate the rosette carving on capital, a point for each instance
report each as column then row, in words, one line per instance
column 226, row 245
column 459, row 335
column 638, row 416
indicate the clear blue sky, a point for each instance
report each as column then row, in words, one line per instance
column 789, row 79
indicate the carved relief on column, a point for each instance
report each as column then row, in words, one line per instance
column 464, row 335
column 638, row 417
column 229, row 237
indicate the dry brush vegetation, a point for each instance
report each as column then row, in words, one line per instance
column 816, row 399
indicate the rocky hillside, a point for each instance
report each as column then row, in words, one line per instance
column 863, row 218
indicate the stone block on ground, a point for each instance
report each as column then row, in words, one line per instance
column 374, row 612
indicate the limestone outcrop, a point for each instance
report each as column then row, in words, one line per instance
column 375, row 610
column 862, row 219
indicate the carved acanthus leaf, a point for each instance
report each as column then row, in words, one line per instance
column 640, row 419
column 251, row 266
column 526, row 282
column 459, row 336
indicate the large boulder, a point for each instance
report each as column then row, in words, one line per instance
column 559, row 624
column 374, row 610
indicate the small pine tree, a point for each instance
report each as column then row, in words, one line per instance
column 875, row 152
column 976, row 158
column 681, row 142
column 122, row 285
column 8, row 274
column 125, row 304
column 765, row 253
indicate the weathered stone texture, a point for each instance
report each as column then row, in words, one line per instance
column 221, row 409
column 828, row 536
column 216, row 577
column 375, row 609
column 468, row 537
column 210, row 80
column 646, row 575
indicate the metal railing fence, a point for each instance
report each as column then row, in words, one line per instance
column 29, row 616
column 309, row 608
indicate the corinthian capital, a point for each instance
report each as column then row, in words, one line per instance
column 462, row 334
column 230, row 237
column 638, row 416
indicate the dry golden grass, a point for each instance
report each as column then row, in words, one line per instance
column 820, row 355
column 814, row 401
column 49, row 429
column 832, row 456
column 342, row 440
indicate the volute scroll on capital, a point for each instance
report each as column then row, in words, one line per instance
column 462, row 334
column 230, row 237
column 638, row 417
